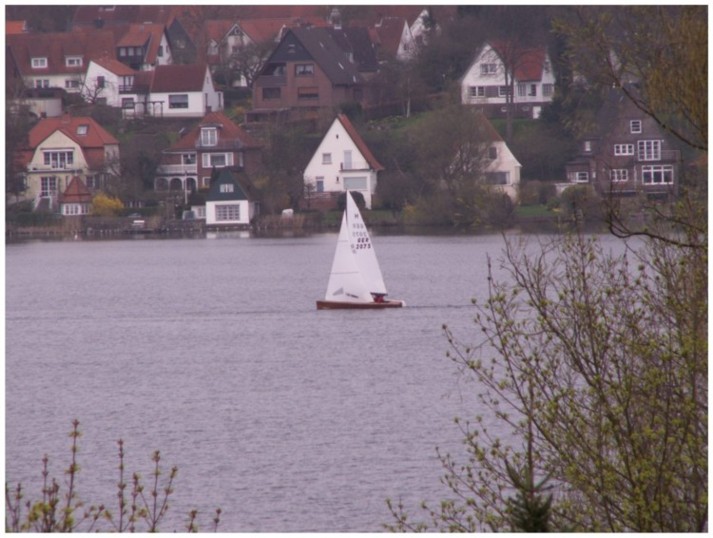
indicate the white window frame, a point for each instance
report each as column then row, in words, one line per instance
column 49, row 186
column 649, row 150
column 175, row 103
column 326, row 158
column 73, row 61
column 227, row 212
column 488, row 68
column 619, row 175
column 548, row 90
column 209, row 136
column 635, row 126
column 227, row 188
column 207, row 160
column 58, row 160
column 657, row 174
column 39, row 62
column 581, row 177
column 623, row 149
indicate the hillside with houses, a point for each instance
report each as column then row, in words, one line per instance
column 228, row 116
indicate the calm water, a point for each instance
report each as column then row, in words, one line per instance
column 212, row 351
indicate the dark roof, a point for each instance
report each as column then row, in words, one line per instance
column 178, row 78
column 226, row 177
column 357, row 41
column 318, row 44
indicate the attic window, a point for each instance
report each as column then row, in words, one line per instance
column 488, row 69
column 227, row 187
column 39, row 63
column 209, row 136
column 291, row 48
column 73, row 61
column 635, row 126
column 82, row 129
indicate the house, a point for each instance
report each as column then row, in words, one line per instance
column 342, row 162
column 227, row 203
column 393, row 39
column 110, row 82
column 485, row 84
column 58, row 59
column 60, row 149
column 628, row 153
column 502, row 169
column 214, row 143
column 307, row 72
column 76, row 200
column 180, row 91
column 144, row 46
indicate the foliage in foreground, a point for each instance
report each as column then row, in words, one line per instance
column 139, row 509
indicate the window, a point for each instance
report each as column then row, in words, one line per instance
column 496, row 178
column 122, row 52
column 623, row 149
column 48, row 186
column 649, row 150
column 492, row 153
column 476, row 91
column 82, row 129
column 581, row 177
column 209, row 136
column 73, row 61
column 217, row 160
column 548, row 90
column 58, row 159
column 503, row 91
column 308, row 92
column 127, row 103
column 326, row 158
column 521, row 89
column 71, row 84
column 320, row 183
column 635, row 126
column 271, row 93
column 491, row 91
column 227, row 188
column 179, row 100
column 355, row 183
column 160, row 51
column 619, row 175
column 39, row 63
column 225, row 212
column 189, row 158
column 587, row 146
column 101, row 82
column 42, row 83
column 488, row 69
column 656, row 174
column 533, row 90
column 304, row 69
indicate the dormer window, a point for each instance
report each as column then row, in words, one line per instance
column 82, row 129
column 209, row 136
column 73, row 61
column 39, row 63
column 635, row 126
column 227, row 188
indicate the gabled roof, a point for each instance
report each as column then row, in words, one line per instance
column 56, row 46
column 76, row 193
column 357, row 41
column 318, row 44
column 114, row 66
column 218, row 194
column 179, row 78
column 83, row 130
column 529, row 62
column 359, row 141
column 143, row 34
column 264, row 30
column 227, row 132
column 387, row 34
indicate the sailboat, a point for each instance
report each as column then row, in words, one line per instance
column 355, row 280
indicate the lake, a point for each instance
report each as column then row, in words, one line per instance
column 211, row 350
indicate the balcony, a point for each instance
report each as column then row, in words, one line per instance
column 354, row 165
column 177, row 169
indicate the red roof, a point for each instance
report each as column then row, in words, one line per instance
column 359, row 141
column 179, row 78
column 387, row 34
column 529, row 62
column 82, row 129
column 15, row 27
column 114, row 66
column 140, row 34
column 227, row 131
column 76, row 193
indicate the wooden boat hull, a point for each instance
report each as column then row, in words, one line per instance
column 346, row 305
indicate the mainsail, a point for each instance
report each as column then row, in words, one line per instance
column 355, row 274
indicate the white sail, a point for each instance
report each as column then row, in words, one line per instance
column 346, row 282
column 355, row 274
column 363, row 248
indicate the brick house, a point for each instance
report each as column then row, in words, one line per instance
column 628, row 153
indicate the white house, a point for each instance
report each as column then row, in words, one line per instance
column 183, row 91
column 485, row 82
column 110, row 82
column 342, row 162
column 226, row 202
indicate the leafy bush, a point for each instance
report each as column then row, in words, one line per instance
column 55, row 512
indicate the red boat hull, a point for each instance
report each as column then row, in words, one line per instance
column 345, row 305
